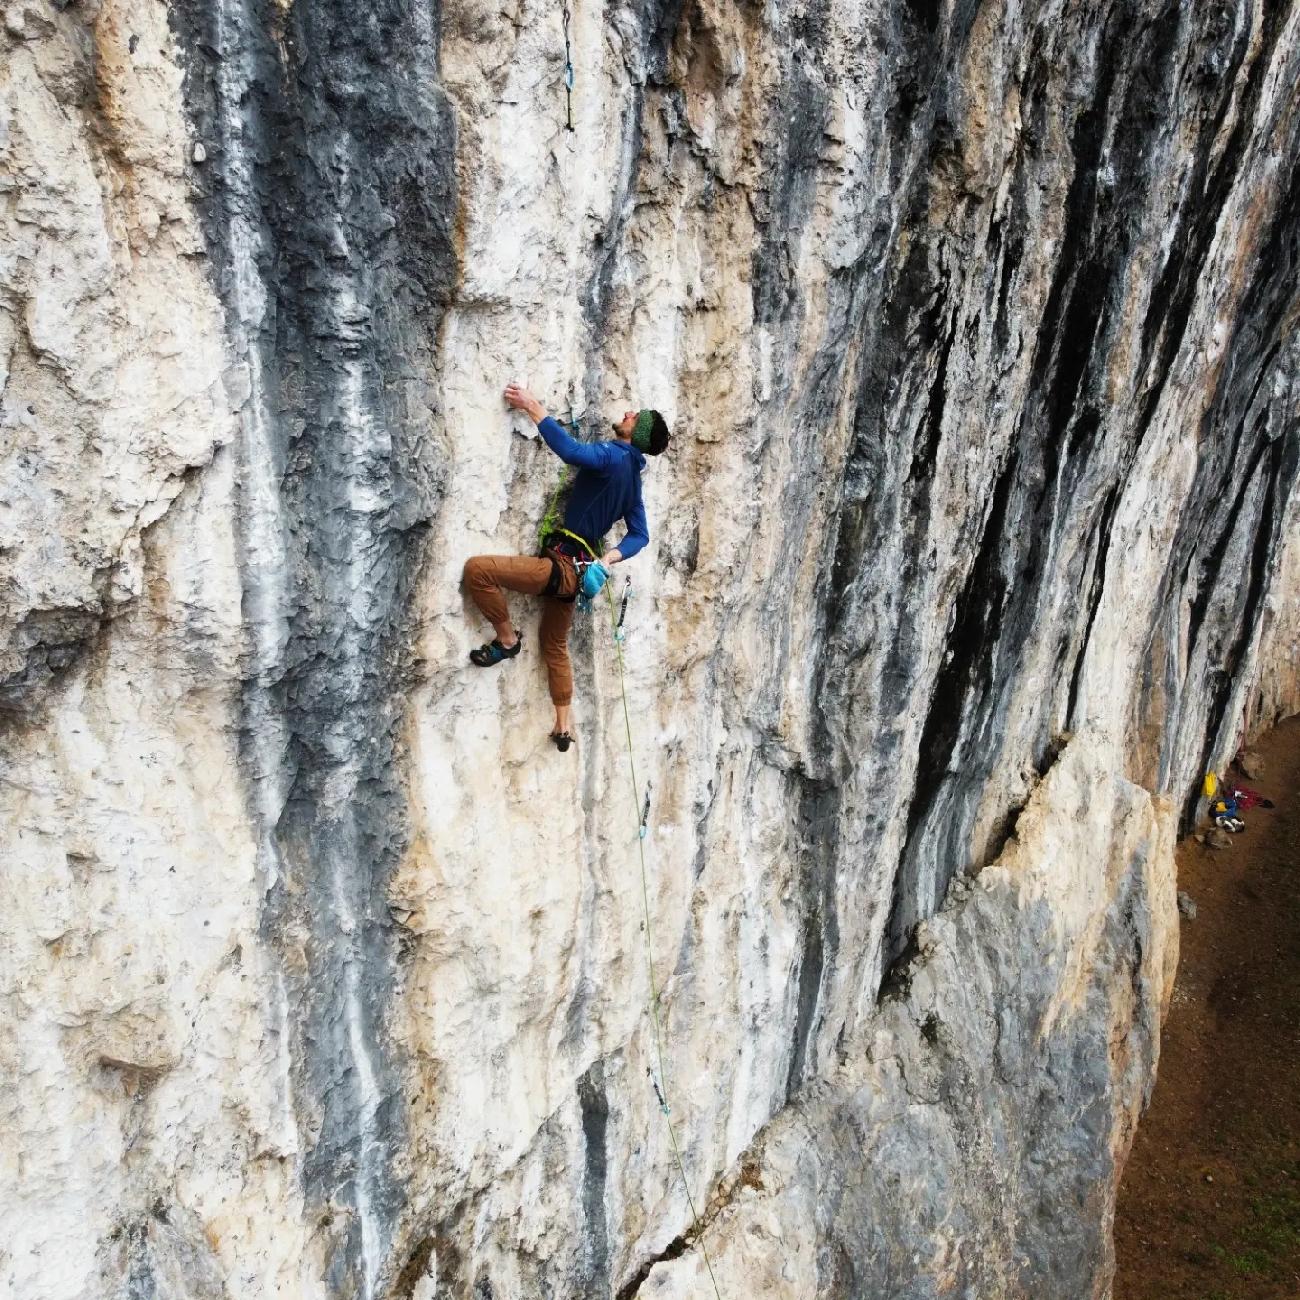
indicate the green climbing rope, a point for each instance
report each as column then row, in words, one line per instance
column 649, row 948
column 661, row 1086
column 551, row 519
column 553, row 515
column 550, row 525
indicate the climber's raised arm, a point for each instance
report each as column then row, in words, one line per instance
column 585, row 455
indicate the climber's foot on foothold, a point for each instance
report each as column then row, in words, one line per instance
column 486, row 656
column 562, row 740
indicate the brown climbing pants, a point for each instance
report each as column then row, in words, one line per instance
column 489, row 577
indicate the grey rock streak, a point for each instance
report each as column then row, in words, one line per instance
column 329, row 216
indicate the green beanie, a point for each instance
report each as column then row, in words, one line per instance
column 641, row 430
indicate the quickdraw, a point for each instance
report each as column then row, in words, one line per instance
column 622, row 609
column 654, row 1083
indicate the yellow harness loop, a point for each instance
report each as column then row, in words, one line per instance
column 582, row 541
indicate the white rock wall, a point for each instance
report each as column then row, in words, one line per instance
column 324, row 975
column 141, row 1041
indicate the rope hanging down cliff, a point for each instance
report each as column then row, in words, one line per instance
column 641, row 813
column 606, row 488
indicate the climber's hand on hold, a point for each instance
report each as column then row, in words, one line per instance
column 611, row 558
column 518, row 398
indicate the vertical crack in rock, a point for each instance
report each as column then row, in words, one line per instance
column 819, row 940
column 329, row 212
column 1099, row 551
column 141, row 1283
column 656, row 23
column 783, row 208
column 884, row 316
column 1015, row 566
column 919, row 128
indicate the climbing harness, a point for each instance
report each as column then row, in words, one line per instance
column 568, row 72
column 592, row 574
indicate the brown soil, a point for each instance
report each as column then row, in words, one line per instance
column 1209, row 1207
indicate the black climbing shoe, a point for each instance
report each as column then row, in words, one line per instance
column 486, row 656
column 562, row 740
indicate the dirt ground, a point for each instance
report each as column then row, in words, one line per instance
column 1209, row 1206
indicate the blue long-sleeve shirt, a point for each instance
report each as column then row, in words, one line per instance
column 607, row 487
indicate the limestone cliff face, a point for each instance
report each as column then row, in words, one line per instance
column 1277, row 694
column 323, row 974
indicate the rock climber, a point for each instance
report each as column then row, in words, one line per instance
column 607, row 488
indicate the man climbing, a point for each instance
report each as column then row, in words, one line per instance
column 607, row 488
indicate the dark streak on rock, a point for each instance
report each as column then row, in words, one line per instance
column 967, row 670
column 923, row 456
column 1100, row 547
column 1253, row 442
column 43, row 646
column 658, row 22
column 141, row 1284
column 415, row 1269
column 594, row 1107
column 1049, row 474
column 1198, row 215
column 345, row 175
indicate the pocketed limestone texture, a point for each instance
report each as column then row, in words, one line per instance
column 324, row 974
